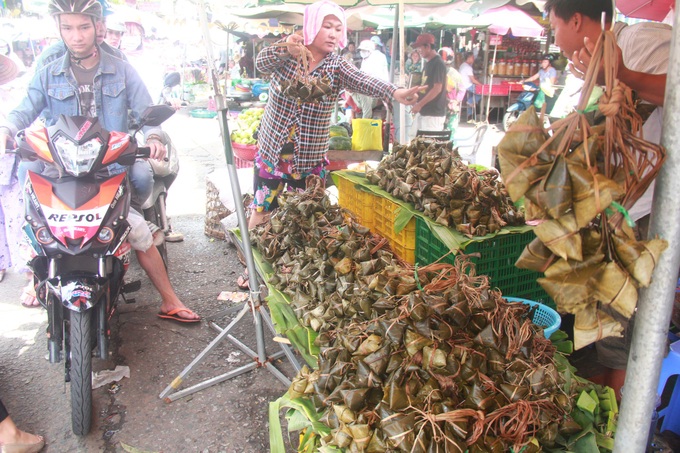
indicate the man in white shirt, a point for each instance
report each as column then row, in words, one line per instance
column 373, row 62
column 469, row 82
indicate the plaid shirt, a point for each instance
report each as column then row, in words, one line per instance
column 311, row 121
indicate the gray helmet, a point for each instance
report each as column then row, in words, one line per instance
column 88, row 7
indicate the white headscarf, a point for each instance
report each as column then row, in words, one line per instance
column 314, row 16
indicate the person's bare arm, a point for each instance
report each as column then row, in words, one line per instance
column 429, row 96
column 474, row 80
column 650, row 87
column 532, row 78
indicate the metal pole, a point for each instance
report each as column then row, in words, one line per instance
column 493, row 69
column 402, row 76
column 656, row 302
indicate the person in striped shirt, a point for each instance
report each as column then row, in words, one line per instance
column 293, row 136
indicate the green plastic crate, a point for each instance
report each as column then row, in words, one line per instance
column 497, row 260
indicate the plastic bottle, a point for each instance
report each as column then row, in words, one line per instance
column 501, row 68
column 510, row 68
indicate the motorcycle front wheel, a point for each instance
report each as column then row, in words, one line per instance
column 509, row 118
column 81, row 371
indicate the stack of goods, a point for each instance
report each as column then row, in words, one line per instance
column 426, row 360
column 247, row 121
column 430, row 175
column 578, row 183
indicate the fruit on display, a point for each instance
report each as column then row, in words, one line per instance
column 247, row 123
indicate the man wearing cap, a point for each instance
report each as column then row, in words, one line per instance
column 374, row 63
column 430, row 110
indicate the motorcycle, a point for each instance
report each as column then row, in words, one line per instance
column 523, row 102
column 532, row 95
column 77, row 225
column 164, row 174
column 154, row 207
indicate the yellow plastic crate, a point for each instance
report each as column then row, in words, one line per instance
column 384, row 216
column 358, row 202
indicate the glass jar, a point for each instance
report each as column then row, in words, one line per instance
column 525, row 69
column 510, row 68
column 501, row 69
column 518, row 68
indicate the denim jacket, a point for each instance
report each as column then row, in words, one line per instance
column 54, row 91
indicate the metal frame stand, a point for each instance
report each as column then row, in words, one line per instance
column 259, row 312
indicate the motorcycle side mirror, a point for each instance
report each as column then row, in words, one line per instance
column 155, row 115
column 172, row 79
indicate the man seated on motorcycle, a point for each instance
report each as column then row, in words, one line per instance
column 88, row 82
column 547, row 76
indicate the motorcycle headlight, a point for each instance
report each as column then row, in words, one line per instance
column 77, row 159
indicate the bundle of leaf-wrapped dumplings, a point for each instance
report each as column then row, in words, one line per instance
column 578, row 184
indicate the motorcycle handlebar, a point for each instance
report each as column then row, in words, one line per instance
column 144, row 152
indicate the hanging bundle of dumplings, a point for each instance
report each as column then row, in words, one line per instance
column 578, row 184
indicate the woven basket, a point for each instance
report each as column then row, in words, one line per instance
column 214, row 212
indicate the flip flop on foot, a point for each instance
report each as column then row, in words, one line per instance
column 174, row 315
column 28, row 298
column 242, row 281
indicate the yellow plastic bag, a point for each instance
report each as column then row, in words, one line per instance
column 367, row 134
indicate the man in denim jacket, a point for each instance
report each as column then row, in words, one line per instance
column 88, row 82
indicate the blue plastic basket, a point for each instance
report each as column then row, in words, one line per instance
column 544, row 316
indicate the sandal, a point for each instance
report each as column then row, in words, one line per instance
column 28, row 298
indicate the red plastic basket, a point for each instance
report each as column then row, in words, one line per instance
column 494, row 90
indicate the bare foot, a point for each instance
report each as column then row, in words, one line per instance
column 28, row 298
column 11, row 435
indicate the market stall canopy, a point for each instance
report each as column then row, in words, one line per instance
column 510, row 19
column 657, row 10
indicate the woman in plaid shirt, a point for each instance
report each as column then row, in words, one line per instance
column 293, row 136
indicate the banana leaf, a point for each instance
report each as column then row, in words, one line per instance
column 586, row 205
column 639, row 258
column 415, row 342
column 571, row 292
column 561, row 237
column 561, row 267
column 591, row 325
column 355, row 399
column 554, row 192
column 379, row 360
column 399, row 430
column 613, row 286
column 535, row 256
column 594, row 148
column 433, row 358
column 371, row 344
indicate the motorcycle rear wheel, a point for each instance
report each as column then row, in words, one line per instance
column 81, row 372
column 153, row 215
column 509, row 118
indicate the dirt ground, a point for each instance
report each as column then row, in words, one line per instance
column 227, row 417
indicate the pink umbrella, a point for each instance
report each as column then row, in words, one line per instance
column 508, row 18
column 646, row 9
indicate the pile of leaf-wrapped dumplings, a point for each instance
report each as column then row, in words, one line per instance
column 577, row 186
column 430, row 175
column 426, row 360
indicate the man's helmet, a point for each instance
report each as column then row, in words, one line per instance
column 88, row 7
column 550, row 57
